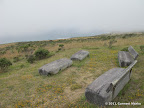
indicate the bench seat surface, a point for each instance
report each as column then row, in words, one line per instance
column 124, row 58
column 80, row 55
column 55, row 66
column 96, row 92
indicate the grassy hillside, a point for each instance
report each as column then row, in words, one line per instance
column 22, row 86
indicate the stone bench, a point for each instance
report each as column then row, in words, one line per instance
column 80, row 55
column 55, row 66
column 107, row 86
column 133, row 52
column 126, row 58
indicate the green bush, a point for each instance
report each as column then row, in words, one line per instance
column 41, row 54
column 106, row 37
column 123, row 37
column 4, row 63
column 22, row 65
column 142, row 48
column 31, row 59
column 26, row 56
column 16, row 59
column 128, row 35
column 61, row 45
column 3, row 52
column 125, row 49
column 59, row 49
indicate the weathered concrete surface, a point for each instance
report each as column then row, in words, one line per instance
column 106, row 87
column 96, row 92
column 133, row 52
column 80, row 55
column 55, row 66
column 124, row 58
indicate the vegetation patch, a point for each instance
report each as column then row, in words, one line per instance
column 31, row 59
column 125, row 49
column 41, row 54
column 4, row 64
column 44, row 88
column 22, row 86
column 111, row 42
column 75, row 86
column 16, row 59
column 142, row 48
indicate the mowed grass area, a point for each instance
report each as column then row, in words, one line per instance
column 22, row 86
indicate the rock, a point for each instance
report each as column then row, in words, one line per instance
column 80, row 55
column 55, row 66
column 124, row 58
column 107, row 86
column 133, row 52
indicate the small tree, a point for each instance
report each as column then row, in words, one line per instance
column 41, row 53
column 111, row 42
column 4, row 63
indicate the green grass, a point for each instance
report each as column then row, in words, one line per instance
column 132, row 92
column 22, row 86
column 75, row 86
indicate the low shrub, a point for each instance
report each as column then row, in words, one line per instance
column 59, row 49
column 31, row 59
column 4, row 63
column 61, row 45
column 3, row 52
column 128, row 35
column 26, row 56
column 16, row 59
column 22, row 65
column 125, row 49
column 41, row 53
column 142, row 48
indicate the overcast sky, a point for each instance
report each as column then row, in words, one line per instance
column 22, row 18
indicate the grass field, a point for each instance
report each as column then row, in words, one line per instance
column 22, row 86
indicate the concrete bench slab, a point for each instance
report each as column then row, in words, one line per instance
column 124, row 58
column 55, row 66
column 80, row 55
column 133, row 52
column 107, row 86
